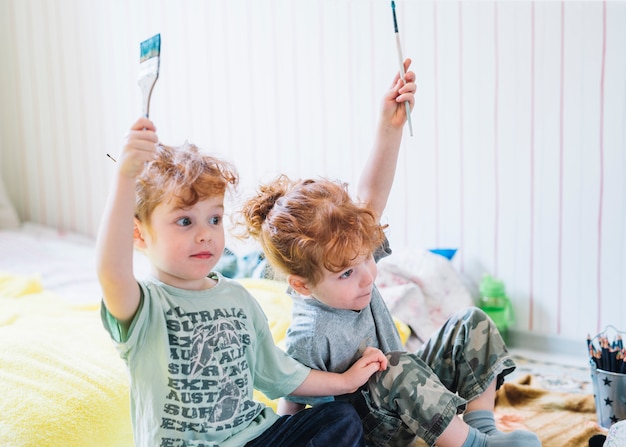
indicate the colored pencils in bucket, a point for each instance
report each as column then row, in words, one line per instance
column 606, row 355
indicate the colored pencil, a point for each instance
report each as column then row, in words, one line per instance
column 606, row 355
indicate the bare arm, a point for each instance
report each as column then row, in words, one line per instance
column 322, row 383
column 114, row 245
column 377, row 177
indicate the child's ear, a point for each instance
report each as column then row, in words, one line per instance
column 138, row 240
column 299, row 284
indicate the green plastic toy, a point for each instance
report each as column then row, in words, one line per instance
column 496, row 304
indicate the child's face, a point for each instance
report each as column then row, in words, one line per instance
column 184, row 245
column 349, row 289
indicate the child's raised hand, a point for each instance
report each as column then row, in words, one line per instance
column 394, row 110
column 139, row 147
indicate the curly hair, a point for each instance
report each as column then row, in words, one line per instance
column 181, row 174
column 306, row 226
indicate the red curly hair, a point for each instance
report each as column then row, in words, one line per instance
column 306, row 226
column 183, row 175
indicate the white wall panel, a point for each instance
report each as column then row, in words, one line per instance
column 518, row 156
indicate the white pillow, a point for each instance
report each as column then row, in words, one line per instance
column 422, row 289
column 8, row 216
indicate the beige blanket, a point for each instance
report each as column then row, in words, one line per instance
column 559, row 419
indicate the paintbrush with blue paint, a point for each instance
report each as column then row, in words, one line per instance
column 402, row 72
column 149, row 69
column 149, row 61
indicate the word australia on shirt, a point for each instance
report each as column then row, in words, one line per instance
column 209, row 375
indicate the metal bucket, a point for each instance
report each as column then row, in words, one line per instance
column 609, row 388
column 609, row 391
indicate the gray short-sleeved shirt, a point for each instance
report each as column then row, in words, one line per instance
column 330, row 339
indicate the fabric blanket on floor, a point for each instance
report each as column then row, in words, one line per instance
column 559, row 419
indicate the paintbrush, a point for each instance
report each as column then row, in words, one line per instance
column 402, row 73
column 149, row 69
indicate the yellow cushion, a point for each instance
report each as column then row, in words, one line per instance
column 63, row 383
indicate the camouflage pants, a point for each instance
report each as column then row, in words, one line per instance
column 419, row 394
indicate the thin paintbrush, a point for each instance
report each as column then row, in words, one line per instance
column 402, row 73
column 149, row 69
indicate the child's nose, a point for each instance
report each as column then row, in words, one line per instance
column 367, row 278
column 204, row 234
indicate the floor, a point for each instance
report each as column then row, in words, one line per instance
column 564, row 373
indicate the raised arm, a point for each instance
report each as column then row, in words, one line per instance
column 377, row 177
column 114, row 246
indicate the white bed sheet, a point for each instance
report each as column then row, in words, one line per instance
column 64, row 261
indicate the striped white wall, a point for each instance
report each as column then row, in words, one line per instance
column 518, row 157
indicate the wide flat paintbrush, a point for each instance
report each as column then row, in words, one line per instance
column 149, row 60
column 149, row 69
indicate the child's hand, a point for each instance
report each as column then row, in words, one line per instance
column 374, row 355
column 394, row 110
column 139, row 147
column 372, row 361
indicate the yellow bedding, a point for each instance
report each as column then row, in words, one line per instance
column 63, row 384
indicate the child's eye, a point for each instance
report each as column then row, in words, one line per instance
column 215, row 220
column 184, row 221
column 347, row 274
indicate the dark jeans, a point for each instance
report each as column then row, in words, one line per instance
column 334, row 424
